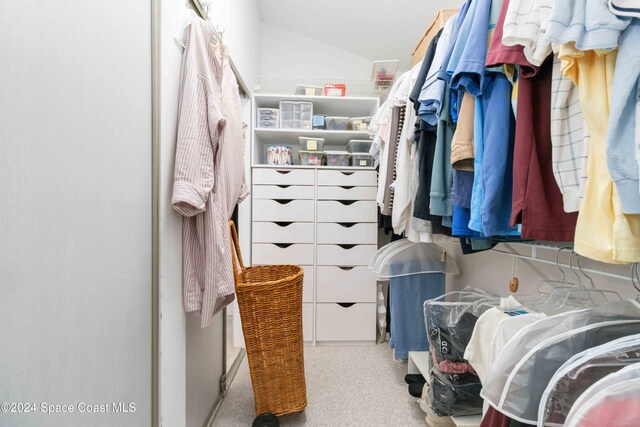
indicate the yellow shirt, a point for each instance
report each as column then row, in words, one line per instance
column 603, row 232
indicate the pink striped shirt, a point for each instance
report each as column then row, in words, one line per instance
column 209, row 170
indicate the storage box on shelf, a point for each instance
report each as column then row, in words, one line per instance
column 359, row 146
column 336, row 123
column 337, row 158
column 360, row 159
column 359, row 123
column 268, row 118
column 296, row 118
column 326, row 221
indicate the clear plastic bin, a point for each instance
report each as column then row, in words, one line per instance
column 337, row 158
column 314, row 158
column 359, row 159
column 359, row 146
column 336, row 123
column 268, row 117
column 311, row 144
column 308, row 90
column 359, row 123
column 296, row 106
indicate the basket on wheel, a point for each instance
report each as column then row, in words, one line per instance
column 270, row 304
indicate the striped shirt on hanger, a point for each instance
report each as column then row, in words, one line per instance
column 209, row 170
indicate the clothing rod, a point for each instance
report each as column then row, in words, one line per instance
column 534, row 257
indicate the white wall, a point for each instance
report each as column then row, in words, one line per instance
column 492, row 271
column 285, row 53
column 191, row 357
column 75, row 209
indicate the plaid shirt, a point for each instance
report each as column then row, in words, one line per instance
column 569, row 139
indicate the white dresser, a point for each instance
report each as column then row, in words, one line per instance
column 324, row 219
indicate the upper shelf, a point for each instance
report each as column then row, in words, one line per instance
column 347, row 106
column 290, row 136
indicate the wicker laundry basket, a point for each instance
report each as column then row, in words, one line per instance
column 270, row 304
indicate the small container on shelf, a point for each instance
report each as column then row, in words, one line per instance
column 279, row 155
column 359, row 146
column 318, row 121
column 336, row 123
column 338, row 89
column 359, row 123
column 268, row 117
column 313, row 158
column 296, row 114
column 360, row 159
column 311, row 144
column 308, row 90
column 337, row 158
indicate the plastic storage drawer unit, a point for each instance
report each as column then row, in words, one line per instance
column 359, row 146
column 359, row 123
column 296, row 115
column 336, row 123
column 268, row 117
column 314, row 158
column 311, row 144
column 337, row 158
column 358, row 159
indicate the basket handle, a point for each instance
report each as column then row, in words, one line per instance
column 236, row 254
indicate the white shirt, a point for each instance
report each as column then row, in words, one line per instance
column 525, row 24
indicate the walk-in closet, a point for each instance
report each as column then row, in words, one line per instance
column 226, row 213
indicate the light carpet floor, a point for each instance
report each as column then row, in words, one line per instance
column 346, row 386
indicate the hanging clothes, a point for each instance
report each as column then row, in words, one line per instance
column 209, row 170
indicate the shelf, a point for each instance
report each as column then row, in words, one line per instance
column 290, row 136
column 419, row 363
column 343, row 168
column 347, row 106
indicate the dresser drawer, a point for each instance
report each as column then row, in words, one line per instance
column 309, row 280
column 283, row 210
column 332, row 211
column 283, row 176
column 282, row 232
column 348, row 233
column 356, row 284
column 356, row 322
column 345, row 256
column 351, row 178
column 297, row 254
column 286, row 192
column 307, row 321
column 347, row 193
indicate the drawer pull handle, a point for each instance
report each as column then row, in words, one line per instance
column 284, row 186
column 283, row 245
column 347, row 246
column 346, row 268
column 282, row 201
column 347, row 173
column 283, row 172
column 283, row 224
column 347, row 224
column 347, row 187
column 346, row 202
column 345, row 304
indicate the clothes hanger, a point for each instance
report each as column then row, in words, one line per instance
column 635, row 277
column 540, row 293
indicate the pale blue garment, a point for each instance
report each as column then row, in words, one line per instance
column 588, row 23
column 442, row 74
column 407, row 295
column 622, row 154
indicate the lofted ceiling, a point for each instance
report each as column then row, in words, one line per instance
column 374, row 29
